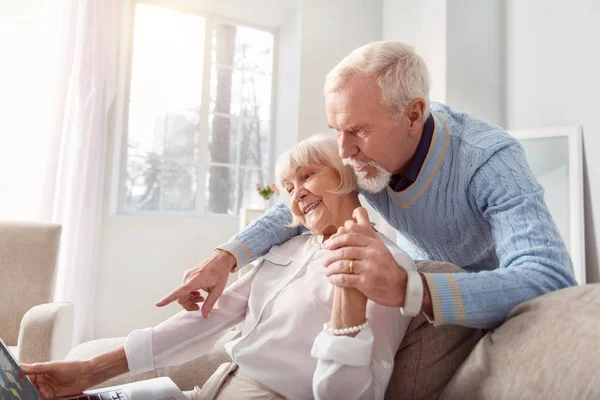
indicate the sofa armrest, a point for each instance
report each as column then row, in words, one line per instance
column 46, row 332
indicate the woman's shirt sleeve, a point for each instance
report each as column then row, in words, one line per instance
column 187, row 335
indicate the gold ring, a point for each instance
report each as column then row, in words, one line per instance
column 351, row 267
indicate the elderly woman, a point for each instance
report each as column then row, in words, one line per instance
column 301, row 336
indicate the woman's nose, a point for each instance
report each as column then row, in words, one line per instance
column 300, row 193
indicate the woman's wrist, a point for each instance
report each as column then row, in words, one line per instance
column 105, row 366
column 349, row 309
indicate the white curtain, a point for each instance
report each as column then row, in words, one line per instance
column 75, row 181
column 29, row 43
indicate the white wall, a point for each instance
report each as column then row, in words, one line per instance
column 422, row 24
column 475, row 58
column 553, row 59
column 288, row 83
column 143, row 259
column 462, row 43
column 330, row 30
column 265, row 13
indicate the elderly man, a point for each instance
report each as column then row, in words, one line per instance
column 457, row 187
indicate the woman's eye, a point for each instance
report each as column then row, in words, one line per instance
column 307, row 176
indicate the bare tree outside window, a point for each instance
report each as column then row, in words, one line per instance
column 219, row 182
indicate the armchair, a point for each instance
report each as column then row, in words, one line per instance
column 32, row 326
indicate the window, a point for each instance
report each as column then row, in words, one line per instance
column 199, row 114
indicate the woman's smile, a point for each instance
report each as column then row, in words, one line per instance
column 310, row 209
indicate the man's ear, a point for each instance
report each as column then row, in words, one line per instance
column 415, row 112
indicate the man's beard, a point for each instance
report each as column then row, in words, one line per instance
column 373, row 184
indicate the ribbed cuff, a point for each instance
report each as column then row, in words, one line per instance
column 446, row 299
column 239, row 251
column 138, row 350
column 354, row 351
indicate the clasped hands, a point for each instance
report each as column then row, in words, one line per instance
column 374, row 270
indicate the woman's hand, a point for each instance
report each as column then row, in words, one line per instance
column 374, row 270
column 66, row 378
column 349, row 306
column 59, row 378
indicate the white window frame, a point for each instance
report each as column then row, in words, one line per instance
column 119, row 166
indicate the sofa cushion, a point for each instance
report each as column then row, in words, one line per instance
column 429, row 356
column 93, row 348
column 546, row 349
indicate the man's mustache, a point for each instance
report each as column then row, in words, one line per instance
column 362, row 164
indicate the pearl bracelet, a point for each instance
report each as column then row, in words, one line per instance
column 345, row 331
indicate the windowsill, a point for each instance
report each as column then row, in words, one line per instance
column 176, row 215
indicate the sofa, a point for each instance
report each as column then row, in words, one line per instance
column 35, row 328
column 548, row 348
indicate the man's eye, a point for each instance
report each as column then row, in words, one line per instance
column 289, row 190
column 306, row 176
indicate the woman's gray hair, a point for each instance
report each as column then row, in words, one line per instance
column 402, row 73
column 319, row 149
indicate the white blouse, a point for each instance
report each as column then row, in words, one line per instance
column 283, row 303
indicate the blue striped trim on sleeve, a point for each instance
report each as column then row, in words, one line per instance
column 239, row 250
column 448, row 305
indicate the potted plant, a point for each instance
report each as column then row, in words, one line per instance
column 267, row 192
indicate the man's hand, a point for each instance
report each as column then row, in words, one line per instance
column 210, row 275
column 376, row 273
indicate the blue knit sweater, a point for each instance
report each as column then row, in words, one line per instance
column 476, row 204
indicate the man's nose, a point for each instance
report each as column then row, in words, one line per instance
column 346, row 146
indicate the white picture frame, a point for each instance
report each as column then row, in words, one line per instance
column 548, row 168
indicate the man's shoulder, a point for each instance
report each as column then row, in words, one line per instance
column 471, row 134
column 473, row 142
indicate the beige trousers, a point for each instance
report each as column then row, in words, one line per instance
column 228, row 382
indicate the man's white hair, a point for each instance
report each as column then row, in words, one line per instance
column 402, row 75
